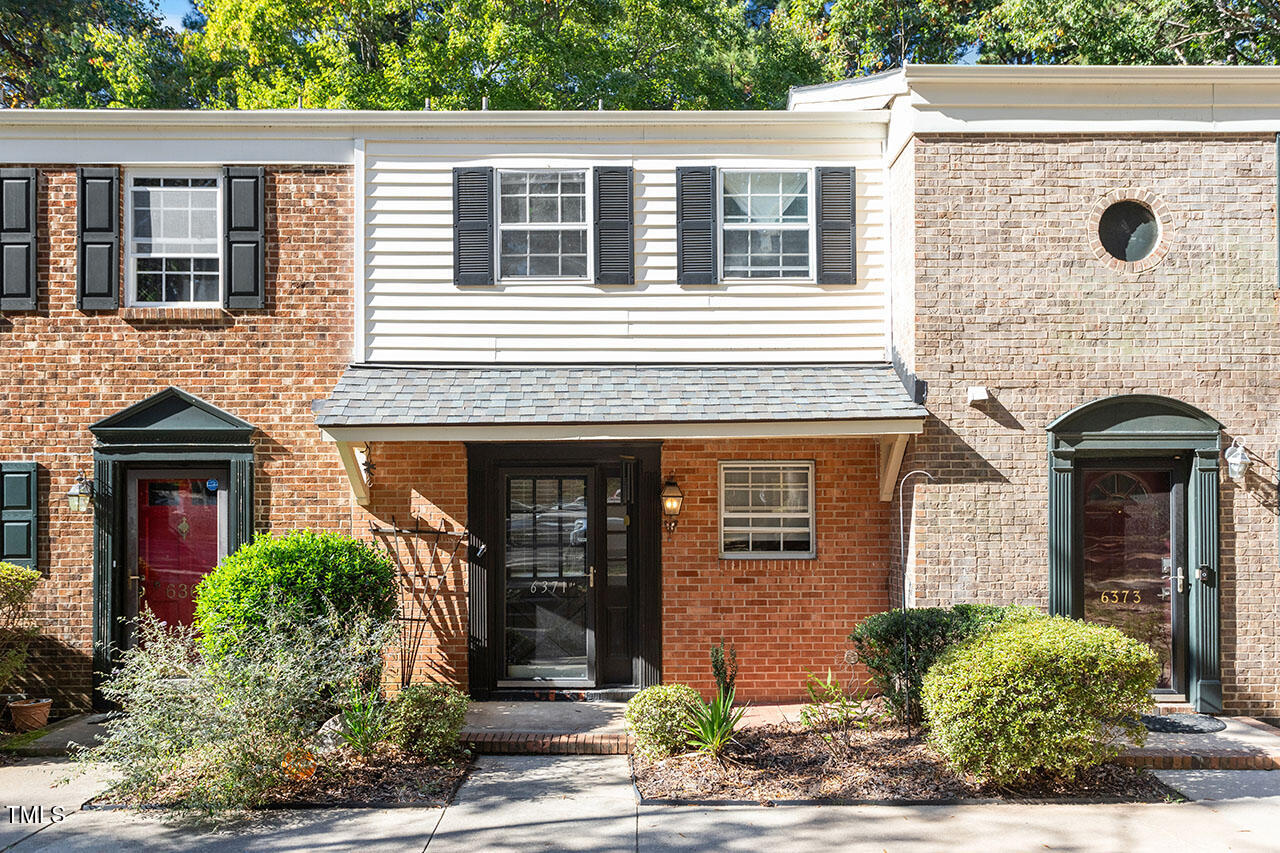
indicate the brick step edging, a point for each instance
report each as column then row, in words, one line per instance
column 1204, row 760
column 544, row 743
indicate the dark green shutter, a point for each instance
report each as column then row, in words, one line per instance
column 696, row 225
column 615, row 210
column 837, row 237
column 244, row 257
column 473, row 225
column 98, row 252
column 19, row 513
column 18, row 240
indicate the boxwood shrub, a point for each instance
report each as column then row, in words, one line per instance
column 899, row 646
column 659, row 717
column 1042, row 697
column 305, row 572
column 427, row 720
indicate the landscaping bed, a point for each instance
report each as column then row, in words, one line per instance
column 791, row 762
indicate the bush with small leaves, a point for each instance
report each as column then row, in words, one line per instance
column 659, row 717
column 1043, row 697
column 17, row 588
column 427, row 720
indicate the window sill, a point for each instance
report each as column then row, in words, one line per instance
column 155, row 314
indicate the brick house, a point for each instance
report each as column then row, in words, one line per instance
column 657, row 378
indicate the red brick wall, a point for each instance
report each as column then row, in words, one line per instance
column 62, row 370
column 786, row 617
column 1010, row 294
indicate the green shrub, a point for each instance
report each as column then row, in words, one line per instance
column 427, row 720
column 658, row 717
column 1047, row 696
column 364, row 720
column 17, row 588
column 304, row 572
column 899, row 646
column 714, row 724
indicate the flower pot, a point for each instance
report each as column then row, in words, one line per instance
column 30, row 714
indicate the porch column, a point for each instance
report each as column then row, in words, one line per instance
column 1064, row 598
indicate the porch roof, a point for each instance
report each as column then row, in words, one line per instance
column 469, row 399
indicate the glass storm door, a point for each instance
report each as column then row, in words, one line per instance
column 548, row 577
column 1131, row 547
column 178, row 521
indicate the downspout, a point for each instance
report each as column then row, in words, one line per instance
column 1278, row 211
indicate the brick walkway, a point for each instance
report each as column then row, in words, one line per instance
column 1245, row 744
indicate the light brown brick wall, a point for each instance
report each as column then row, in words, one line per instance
column 786, row 617
column 1009, row 294
column 61, row 370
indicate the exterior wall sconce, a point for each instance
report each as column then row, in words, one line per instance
column 81, row 493
column 672, row 501
column 1237, row 460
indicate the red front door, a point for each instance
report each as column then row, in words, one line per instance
column 178, row 542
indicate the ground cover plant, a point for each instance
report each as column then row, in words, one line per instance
column 1041, row 698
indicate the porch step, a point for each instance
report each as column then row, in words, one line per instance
column 562, row 694
column 1163, row 709
column 546, row 743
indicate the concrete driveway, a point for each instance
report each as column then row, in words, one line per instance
column 524, row 803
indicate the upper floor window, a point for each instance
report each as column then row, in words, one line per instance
column 174, row 239
column 542, row 224
column 766, row 225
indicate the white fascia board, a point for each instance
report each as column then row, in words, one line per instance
column 873, row 92
column 621, row 432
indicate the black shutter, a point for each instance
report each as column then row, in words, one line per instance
column 473, row 225
column 837, row 234
column 98, row 253
column 19, row 513
column 244, row 270
column 696, row 225
column 615, row 211
column 17, row 239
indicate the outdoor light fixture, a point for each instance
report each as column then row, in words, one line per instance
column 81, row 493
column 1237, row 460
column 672, row 501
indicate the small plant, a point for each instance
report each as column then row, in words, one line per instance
column 427, row 719
column 899, row 646
column 659, row 716
column 304, row 572
column 364, row 720
column 1041, row 697
column 714, row 724
column 17, row 588
column 832, row 714
column 724, row 666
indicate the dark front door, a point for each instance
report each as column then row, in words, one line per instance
column 1133, row 557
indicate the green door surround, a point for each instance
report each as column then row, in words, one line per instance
column 169, row 429
column 1136, row 425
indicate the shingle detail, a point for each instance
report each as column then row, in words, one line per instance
column 439, row 395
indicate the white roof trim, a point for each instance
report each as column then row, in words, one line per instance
column 621, row 432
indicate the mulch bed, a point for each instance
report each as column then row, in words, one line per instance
column 789, row 762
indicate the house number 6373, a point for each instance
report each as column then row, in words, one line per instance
column 1121, row 596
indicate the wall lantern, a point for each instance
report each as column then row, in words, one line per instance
column 672, row 501
column 1237, row 460
column 81, row 493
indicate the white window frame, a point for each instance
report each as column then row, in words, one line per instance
column 808, row 465
column 811, row 175
column 131, row 259
column 588, row 224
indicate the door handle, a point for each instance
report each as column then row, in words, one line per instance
column 591, row 576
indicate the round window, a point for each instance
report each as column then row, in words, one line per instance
column 1128, row 230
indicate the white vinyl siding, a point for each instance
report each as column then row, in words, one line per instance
column 413, row 312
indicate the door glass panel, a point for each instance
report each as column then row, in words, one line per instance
column 616, row 536
column 1128, row 558
column 177, row 543
column 546, row 577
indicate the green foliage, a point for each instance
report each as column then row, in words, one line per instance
column 714, row 724
column 659, row 716
column 212, row 734
column 899, row 646
column 17, row 588
column 724, row 667
column 832, row 713
column 1046, row 696
column 303, row 572
column 364, row 720
column 427, row 720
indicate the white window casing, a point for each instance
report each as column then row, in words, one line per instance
column 767, row 510
column 766, row 224
column 173, row 238
column 544, row 224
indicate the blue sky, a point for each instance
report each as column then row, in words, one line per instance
column 173, row 10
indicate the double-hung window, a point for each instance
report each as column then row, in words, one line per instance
column 766, row 509
column 174, row 239
column 765, row 224
column 542, row 224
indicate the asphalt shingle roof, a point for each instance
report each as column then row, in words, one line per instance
column 369, row 395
